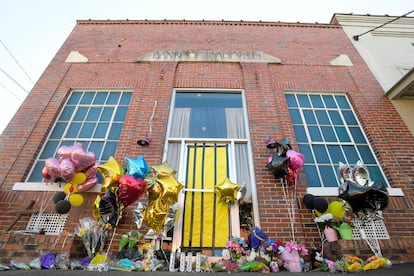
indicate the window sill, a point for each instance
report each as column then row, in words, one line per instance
column 334, row 191
column 47, row 187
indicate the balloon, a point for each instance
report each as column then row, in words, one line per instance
column 138, row 215
column 227, row 191
column 95, row 207
column 76, row 199
column 155, row 216
column 52, row 166
column 137, row 167
column 79, row 178
column 170, row 188
column 336, row 209
column 292, row 177
column 111, row 171
column 296, row 159
column 82, row 159
column 69, row 188
column 58, row 196
column 67, row 170
column 62, row 207
column 130, row 189
column 320, row 204
column 278, row 166
column 89, row 184
column 108, row 208
column 164, row 167
column 65, row 152
column 91, row 170
column 308, row 200
column 361, row 174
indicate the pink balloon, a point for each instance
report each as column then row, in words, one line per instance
column 296, row 159
column 131, row 189
column 89, row 184
column 91, row 170
column 82, row 159
column 67, row 170
column 52, row 166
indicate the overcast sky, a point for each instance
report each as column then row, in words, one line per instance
column 32, row 31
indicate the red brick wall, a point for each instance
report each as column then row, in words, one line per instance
column 305, row 50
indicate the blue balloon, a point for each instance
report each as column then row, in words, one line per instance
column 138, row 167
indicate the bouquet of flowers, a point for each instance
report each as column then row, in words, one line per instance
column 272, row 248
column 92, row 233
column 237, row 247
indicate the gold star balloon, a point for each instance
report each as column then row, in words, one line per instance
column 111, row 171
column 227, row 191
column 170, row 188
column 164, row 168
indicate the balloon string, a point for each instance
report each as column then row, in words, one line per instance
column 110, row 244
column 152, row 117
column 290, row 208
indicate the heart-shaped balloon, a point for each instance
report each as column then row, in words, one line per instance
column 67, row 170
column 130, row 189
column 82, row 159
column 89, row 184
column 296, row 159
column 65, row 152
column 52, row 166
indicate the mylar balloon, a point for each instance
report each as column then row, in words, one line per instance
column 89, row 184
column 108, row 208
column 138, row 215
column 278, row 166
column 171, row 187
column 155, row 217
column 52, row 166
column 130, row 189
column 76, row 199
column 164, row 167
column 296, row 159
column 138, row 167
column 82, row 159
column 227, row 191
column 67, row 170
column 320, row 204
column 111, row 171
column 336, row 209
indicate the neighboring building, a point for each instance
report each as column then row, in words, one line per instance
column 209, row 93
column 386, row 43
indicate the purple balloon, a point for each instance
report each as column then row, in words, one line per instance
column 297, row 160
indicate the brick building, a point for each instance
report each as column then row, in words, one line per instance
column 223, row 88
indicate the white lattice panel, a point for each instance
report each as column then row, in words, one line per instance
column 50, row 224
column 375, row 229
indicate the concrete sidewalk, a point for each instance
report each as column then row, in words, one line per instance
column 397, row 269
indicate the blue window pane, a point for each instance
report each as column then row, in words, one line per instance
column 115, row 131
column 357, row 135
column 87, row 130
column 320, row 154
column 300, row 134
column 49, row 150
column 366, row 155
column 67, row 143
column 315, row 134
column 113, row 98
column 336, row 154
column 335, row 118
column 291, row 100
column 312, row 177
column 295, row 116
column 100, row 98
column 322, row 117
column 306, row 151
column 87, row 98
column 342, row 134
column 110, row 149
column 93, row 114
column 375, row 174
column 58, row 131
column 66, row 113
column 37, row 177
column 309, row 116
column 329, row 101
column 96, row 147
column 101, row 130
column 121, row 113
column 329, row 176
column 342, row 102
column 80, row 114
column 74, row 98
column 328, row 134
column 126, row 98
column 316, row 101
column 349, row 117
column 73, row 130
column 351, row 154
column 304, row 101
column 107, row 114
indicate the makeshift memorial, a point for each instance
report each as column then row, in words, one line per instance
column 238, row 248
column 291, row 256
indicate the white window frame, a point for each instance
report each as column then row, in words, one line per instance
column 232, row 170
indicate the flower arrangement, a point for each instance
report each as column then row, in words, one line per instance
column 272, row 248
column 237, row 247
column 324, row 220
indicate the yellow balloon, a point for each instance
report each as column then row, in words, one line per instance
column 76, row 199
column 164, row 168
column 227, row 191
column 95, row 208
column 171, row 187
column 111, row 171
column 317, row 213
column 79, row 178
column 69, row 188
column 336, row 209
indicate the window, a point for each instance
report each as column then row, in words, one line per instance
column 93, row 118
column 328, row 132
column 208, row 142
